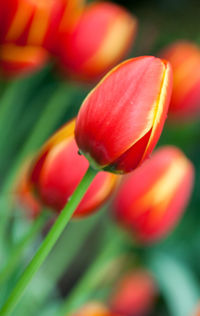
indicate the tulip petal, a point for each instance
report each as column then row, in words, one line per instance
column 161, row 111
column 64, row 132
column 127, row 95
column 152, row 199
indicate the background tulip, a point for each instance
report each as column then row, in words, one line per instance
column 134, row 294
column 185, row 60
column 60, row 168
column 121, row 120
column 93, row 309
column 151, row 200
column 30, row 22
column 96, row 41
column 197, row 310
column 17, row 60
column 34, row 22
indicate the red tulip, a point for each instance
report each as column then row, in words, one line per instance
column 94, row 309
column 185, row 60
column 134, row 295
column 152, row 199
column 34, row 22
column 59, row 169
column 121, row 120
column 97, row 40
column 17, row 60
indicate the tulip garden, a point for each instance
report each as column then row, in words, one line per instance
column 99, row 164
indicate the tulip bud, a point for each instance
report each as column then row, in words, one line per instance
column 59, row 169
column 96, row 41
column 185, row 60
column 121, row 120
column 33, row 22
column 151, row 200
column 24, row 193
column 19, row 60
column 134, row 294
column 94, row 309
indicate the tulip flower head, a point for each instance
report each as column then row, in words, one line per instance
column 121, row 120
column 34, row 22
column 58, row 170
column 20, row 60
column 134, row 294
column 96, row 41
column 94, row 309
column 185, row 60
column 152, row 199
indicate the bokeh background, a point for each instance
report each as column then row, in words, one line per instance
column 27, row 107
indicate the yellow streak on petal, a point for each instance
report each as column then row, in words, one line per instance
column 158, row 108
column 20, row 21
column 52, row 154
column 65, row 132
column 161, row 193
column 73, row 9
column 114, row 45
column 39, row 25
column 13, row 53
column 93, row 309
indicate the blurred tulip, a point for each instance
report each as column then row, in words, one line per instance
column 34, row 22
column 24, row 193
column 151, row 200
column 18, row 60
column 121, row 120
column 99, row 38
column 94, row 309
column 197, row 310
column 134, row 295
column 185, row 60
column 59, row 169
column 72, row 9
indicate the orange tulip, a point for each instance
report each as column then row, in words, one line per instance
column 17, row 60
column 134, row 294
column 121, row 120
column 185, row 60
column 58, row 170
column 94, row 309
column 96, row 41
column 152, row 199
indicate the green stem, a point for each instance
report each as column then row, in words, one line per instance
column 48, row 242
column 18, row 249
column 44, row 283
column 92, row 277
